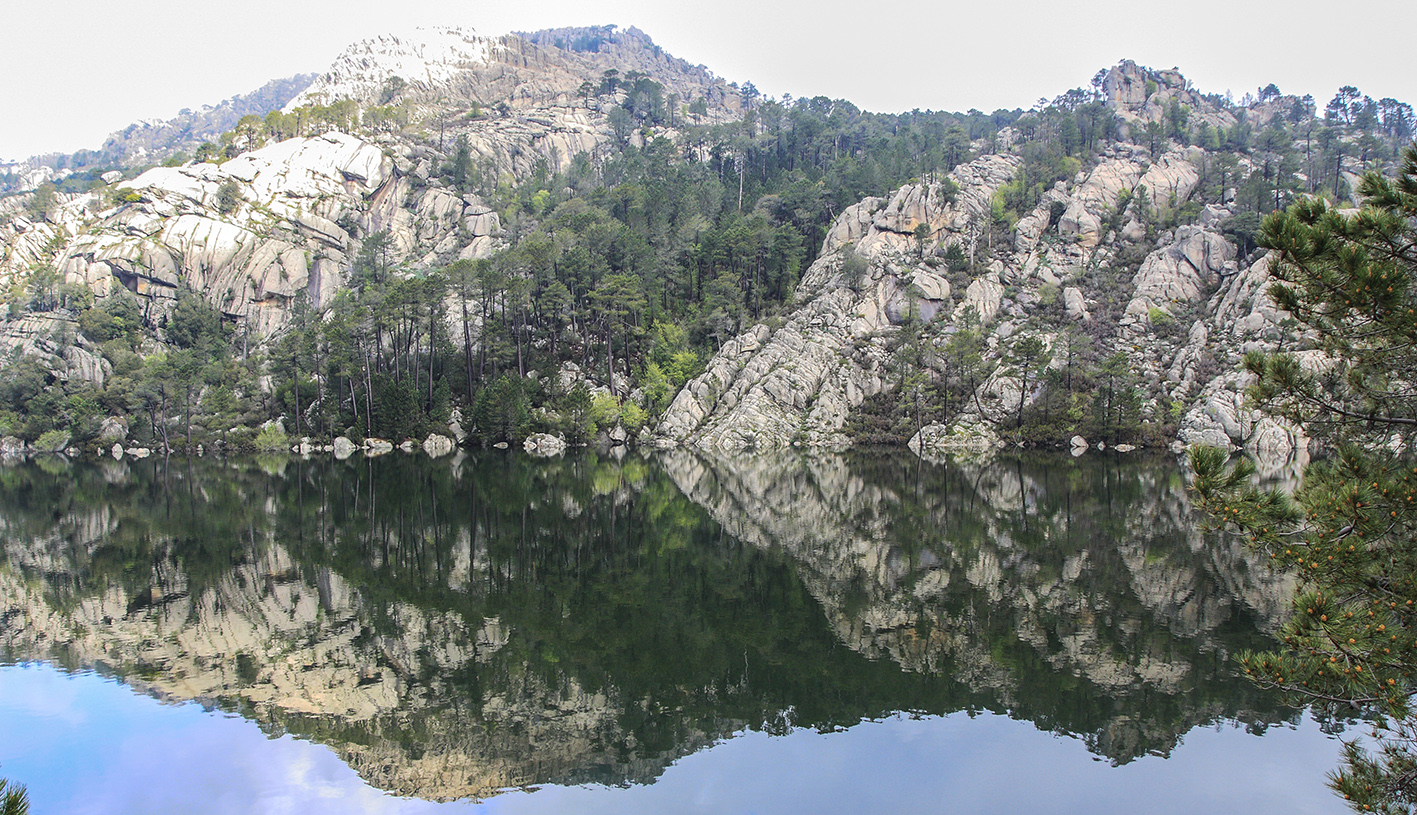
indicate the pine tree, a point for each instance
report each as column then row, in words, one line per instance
column 1349, row 533
column 14, row 800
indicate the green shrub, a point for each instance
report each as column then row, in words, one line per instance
column 632, row 417
column 604, row 411
column 228, row 197
column 272, row 438
column 52, row 441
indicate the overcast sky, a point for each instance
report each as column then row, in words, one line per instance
column 71, row 71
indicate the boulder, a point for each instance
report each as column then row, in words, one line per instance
column 968, row 434
column 343, row 448
column 931, row 286
column 437, row 445
column 544, row 445
column 1075, row 305
column 377, row 447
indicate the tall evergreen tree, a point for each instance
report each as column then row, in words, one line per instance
column 1351, row 533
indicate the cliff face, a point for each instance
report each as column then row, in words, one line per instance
column 252, row 233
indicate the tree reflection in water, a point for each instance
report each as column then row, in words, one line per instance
column 460, row 626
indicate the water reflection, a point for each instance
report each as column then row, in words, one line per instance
column 457, row 627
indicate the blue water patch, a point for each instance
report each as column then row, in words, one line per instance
column 83, row 743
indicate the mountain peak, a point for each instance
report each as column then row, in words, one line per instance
column 425, row 58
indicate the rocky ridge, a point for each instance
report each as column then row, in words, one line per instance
column 1193, row 306
column 252, row 233
column 255, row 233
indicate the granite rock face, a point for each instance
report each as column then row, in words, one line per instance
column 253, row 233
column 1182, row 312
column 797, row 384
column 288, row 218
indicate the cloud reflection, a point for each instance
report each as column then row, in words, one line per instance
column 97, row 747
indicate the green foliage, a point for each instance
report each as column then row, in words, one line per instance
column 41, row 201
column 52, row 441
column 228, row 197
column 1348, row 533
column 502, row 412
column 272, row 439
column 632, row 417
column 604, row 411
column 14, row 800
column 194, row 323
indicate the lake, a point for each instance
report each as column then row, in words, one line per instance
column 669, row 633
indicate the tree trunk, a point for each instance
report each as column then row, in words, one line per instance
column 609, row 361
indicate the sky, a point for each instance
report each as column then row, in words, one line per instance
column 72, row 71
column 83, row 743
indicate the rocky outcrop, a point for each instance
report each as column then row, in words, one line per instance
column 796, row 384
column 544, row 445
column 526, row 71
column 54, row 339
column 1141, row 95
column 1124, row 170
column 970, row 435
column 252, row 234
column 1180, row 273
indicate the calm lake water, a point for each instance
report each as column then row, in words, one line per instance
column 673, row 633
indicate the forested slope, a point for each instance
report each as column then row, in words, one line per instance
column 574, row 232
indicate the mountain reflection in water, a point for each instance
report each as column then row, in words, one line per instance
column 456, row 627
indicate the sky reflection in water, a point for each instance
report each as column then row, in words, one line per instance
column 87, row 744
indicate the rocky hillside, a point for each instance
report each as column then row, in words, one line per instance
column 581, row 210
column 1172, row 298
column 251, row 233
column 798, row 383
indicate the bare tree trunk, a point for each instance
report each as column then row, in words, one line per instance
column 609, row 361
